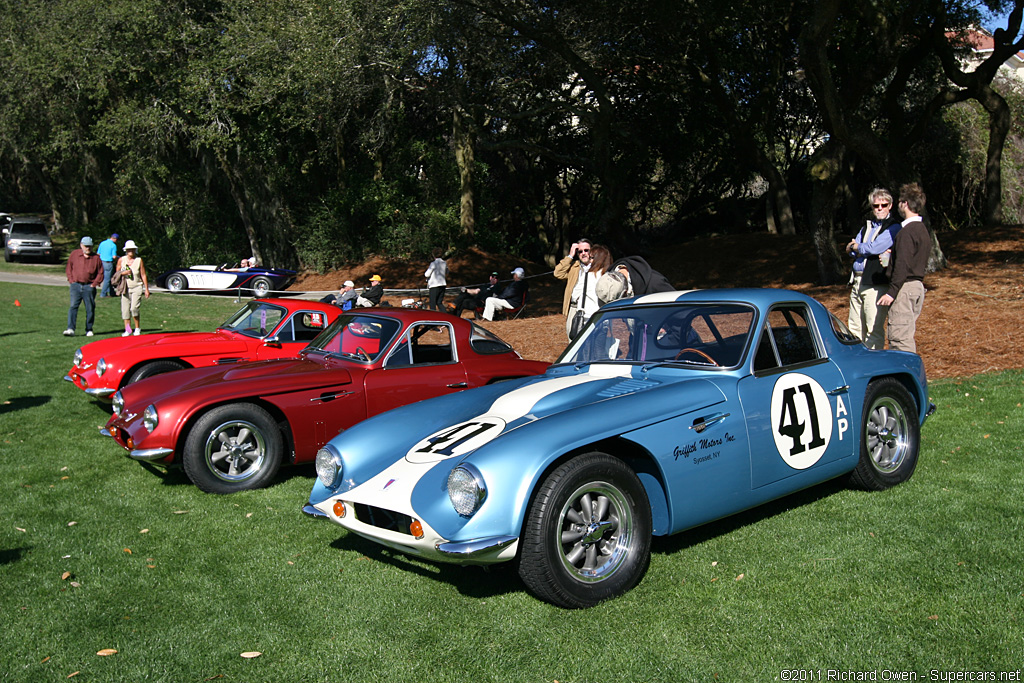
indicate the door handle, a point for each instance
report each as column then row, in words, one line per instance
column 702, row 423
column 458, row 385
column 329, row 397
column 839, row 390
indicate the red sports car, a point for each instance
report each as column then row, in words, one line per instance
column 263, row 329
column 232, row 427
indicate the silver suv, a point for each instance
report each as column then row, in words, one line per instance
column 28, row 237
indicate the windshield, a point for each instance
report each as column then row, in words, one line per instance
column 255, row 319
column 709, row 335
column 356, row 337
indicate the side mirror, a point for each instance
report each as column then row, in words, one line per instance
column 272, row 341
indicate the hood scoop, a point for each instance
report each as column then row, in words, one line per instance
column 627, row 386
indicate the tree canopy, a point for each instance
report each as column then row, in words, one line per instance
column 312, row 132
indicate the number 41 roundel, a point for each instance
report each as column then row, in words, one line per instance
column 801, row 420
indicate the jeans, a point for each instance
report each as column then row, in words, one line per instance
column 108, row 268
column 82, row 294
column 435, row 294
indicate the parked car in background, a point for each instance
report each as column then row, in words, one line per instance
column 668, row 411
column 26, row 236
column 254, row 280
column 262, row 329
column 5, row 226
column 231, row 428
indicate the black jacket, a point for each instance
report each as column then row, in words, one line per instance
column 643, row 278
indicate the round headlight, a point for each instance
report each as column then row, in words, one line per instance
column 117, row 403
column 328, row 466
column 150, row 419
column 466, row 489
column 101, row 367
column 78, row 358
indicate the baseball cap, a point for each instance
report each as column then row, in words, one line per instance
column 348, row 283
column 86, row 241
column 374, row 278
column 519, row 271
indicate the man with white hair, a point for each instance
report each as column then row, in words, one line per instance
column 511, row 297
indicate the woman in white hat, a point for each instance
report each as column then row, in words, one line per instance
column 135, row 277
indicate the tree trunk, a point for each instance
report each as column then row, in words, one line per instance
column 464, row 157
column 825, row 178
column 998, row 129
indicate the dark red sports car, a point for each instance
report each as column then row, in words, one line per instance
column 232, row 427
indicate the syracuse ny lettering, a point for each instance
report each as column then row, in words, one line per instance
column 688, row 449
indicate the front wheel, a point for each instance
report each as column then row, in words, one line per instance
column 587, row 535
column 234, row 447
column 177, row 282
column 157, row 367
column 890, row 436
column 261, row 287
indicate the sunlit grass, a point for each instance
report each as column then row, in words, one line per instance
column 924, row 576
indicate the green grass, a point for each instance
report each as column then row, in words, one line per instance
column 925, row 576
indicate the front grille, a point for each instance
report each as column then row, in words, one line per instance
column 383, row 519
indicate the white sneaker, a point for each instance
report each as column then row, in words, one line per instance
column 69, row 332
column 88, row 333
column 127, row 333
column 137, row 332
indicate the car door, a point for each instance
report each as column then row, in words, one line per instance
column 423, row 363
column 292, row 335
column 796, row 403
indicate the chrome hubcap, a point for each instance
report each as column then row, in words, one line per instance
column 595, row 532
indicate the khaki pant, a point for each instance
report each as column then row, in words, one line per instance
column 903, row 316
column 867, row 318
column 131, row 302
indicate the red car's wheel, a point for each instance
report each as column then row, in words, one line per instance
column 232, row 448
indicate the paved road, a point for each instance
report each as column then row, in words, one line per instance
column 34, row 279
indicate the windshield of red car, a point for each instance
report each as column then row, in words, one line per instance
column 712, row 335
column 356, row 337
column 255, row 319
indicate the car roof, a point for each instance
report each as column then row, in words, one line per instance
column 300, row 304
column 760, row 297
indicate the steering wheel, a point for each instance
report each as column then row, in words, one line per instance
column 359, row 349
column 690, row 349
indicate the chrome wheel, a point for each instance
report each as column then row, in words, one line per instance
column 235, row 450
column 890, row 436
column 177, row 282
column 261, row 287
column 885, row 433
column 595, row 531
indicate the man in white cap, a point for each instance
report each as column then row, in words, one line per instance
column 513, row 296
column 84, row 271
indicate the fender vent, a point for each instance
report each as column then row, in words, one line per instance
column 228, row 361
column 629, row 386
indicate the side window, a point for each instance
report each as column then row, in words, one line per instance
column 786, row 339
column 423, row 344
column 304, row 326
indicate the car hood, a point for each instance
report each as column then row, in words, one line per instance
column 531, row 418
column 225, row 342
column 255, row 378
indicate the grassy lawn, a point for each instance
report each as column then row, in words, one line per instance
column 98, row 552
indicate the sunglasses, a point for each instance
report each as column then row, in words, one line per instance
column 881, row 206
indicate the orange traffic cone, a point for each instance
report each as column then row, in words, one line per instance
column 17, row 303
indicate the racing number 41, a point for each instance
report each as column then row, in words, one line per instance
column 446, row 442
column 789, row 424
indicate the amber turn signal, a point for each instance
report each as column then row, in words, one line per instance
column 339, row 508
column 416, row 529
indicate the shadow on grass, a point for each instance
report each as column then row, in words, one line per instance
column 687, row 539
column 12, row 555
column 471, row 581
column 24, row 403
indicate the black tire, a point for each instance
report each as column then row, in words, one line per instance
column 890, row 436
column 261, row 286
column 577, row 560
column 7, row 256
column 176, row 282
column 157, row 367
column 235, row 447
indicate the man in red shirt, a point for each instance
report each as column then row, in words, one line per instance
column 85, row 274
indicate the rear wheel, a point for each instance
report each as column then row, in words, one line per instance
column 234, row 447
column 587, row 535
column 890, row 436
column 157, row 367
column 7, row 256
column 177, row 282
column 261, row 287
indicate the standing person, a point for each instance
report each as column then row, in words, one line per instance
column 910, row 250
column 573, row 269
column 870, row 251
column 372, row 295
column 137, row 284
column 510, row 297
column 436, row 281
column 85, row 273
column 107, row 252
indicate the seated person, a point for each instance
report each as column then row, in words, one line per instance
column 372, row 295
column 345, row 298
column 510, row 297
column 472, row 298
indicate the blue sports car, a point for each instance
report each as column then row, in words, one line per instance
column 668, row 411
column 255, row 280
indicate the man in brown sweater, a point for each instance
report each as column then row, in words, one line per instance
column 85, row 274
column 910, row 250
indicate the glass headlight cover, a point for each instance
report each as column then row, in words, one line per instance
column 117, row 403
column 78, row 358
column 150, row 418
column 101, row 367
column 328, row 466
column 466, row 489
